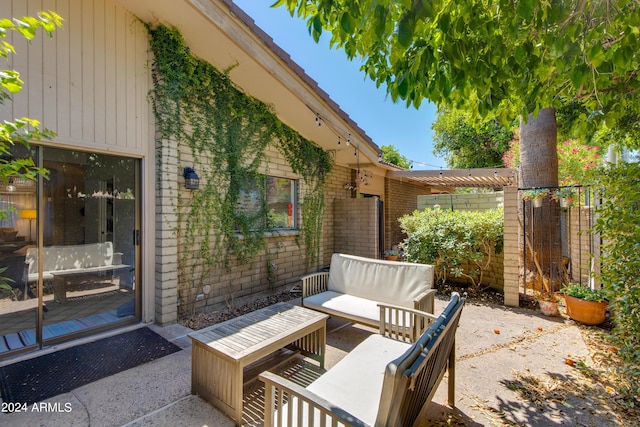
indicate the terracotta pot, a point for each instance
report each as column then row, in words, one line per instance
column 548, row 308
column 391, row 257
column 587, row 312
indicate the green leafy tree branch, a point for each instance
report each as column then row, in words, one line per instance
column 498, row 59
column 390, row 154
column 22, row 130
column 465, row 145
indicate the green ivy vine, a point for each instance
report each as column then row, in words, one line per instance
column 227, row 133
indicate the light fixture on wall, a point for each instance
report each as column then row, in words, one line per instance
column 191, row 179
column 29, row 214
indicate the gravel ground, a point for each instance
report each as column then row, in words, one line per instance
column 202, row 320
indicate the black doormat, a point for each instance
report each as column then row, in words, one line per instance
column 59, row 372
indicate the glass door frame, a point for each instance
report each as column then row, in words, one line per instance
column 40, row 228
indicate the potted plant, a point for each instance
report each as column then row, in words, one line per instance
column 548, row 302
column 391, row 255
column 535, row 195
column 565, row 196
column 585, row 305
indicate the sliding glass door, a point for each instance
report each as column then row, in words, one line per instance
column 79, row 253
column 18, row 298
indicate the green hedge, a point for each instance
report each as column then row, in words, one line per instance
column 618, row 222
column 447, row 238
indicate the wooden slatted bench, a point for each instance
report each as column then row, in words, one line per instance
column 382, row 382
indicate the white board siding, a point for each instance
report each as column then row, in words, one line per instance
column 89, row 82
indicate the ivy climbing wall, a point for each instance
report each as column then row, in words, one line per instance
column 204, row 121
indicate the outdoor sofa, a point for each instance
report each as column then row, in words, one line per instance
column 354, row 286
column 384, row 381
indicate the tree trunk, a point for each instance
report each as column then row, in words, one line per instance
column 542, row 247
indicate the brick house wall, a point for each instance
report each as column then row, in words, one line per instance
column 280, row 266
column 336, row 188
column 401, row 199
column 166, row 248
column 356, row 227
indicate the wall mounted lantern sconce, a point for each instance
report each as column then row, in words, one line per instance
column 191, row 179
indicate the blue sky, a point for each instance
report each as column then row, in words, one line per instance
column 408, row 129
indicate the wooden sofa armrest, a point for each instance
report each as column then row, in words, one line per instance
column 308, row 409
column 314, row 283
column 402, row 323
column 425, row 301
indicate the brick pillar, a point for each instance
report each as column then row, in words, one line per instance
column 511, row 251
column 166, row 246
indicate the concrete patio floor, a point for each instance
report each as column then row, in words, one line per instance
column 496, row 347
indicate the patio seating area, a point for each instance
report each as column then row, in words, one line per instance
column 494, row 345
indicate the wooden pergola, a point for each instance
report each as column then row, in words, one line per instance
column 462, row 178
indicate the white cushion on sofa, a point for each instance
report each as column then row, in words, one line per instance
column 355, row 383
column 333, row 303
column 379, row 280
column 356, row 309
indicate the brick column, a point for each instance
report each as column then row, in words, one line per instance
column 511, row 251
column 166, row 243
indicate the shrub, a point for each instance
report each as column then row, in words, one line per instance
column 446, row 238
column 579, row 291
column 618, row 222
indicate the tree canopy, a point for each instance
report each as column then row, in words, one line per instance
column 391, row 155
column 494, row 57
column 464, row 145
column 504, row 59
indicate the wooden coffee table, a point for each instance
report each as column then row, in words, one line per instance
column 220, row 352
